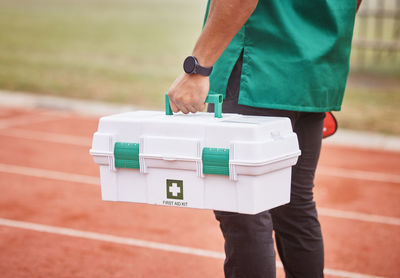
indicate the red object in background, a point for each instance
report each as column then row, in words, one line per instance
column 330, row 125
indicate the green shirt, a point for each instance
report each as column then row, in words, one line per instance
column 296, row 55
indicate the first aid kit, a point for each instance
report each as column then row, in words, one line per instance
column 226, row 162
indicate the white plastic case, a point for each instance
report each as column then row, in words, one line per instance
column 235, row 163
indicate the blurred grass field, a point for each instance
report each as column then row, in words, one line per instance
column 119, row 51
column 129, row 51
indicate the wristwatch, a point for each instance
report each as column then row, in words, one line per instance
column 191, row 66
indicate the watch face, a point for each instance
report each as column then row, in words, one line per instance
column 189, row 64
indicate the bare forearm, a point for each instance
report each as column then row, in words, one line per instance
column 225, row 19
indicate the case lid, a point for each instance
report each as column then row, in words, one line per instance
column 215, row 145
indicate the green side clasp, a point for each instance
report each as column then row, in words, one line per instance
column 126, row 155
column 216, row 161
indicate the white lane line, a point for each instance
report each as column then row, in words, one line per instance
column 84, row 141
column 111, row 238
column 85, row 179
column 46, row 136
column 48, row 174
column 30, row 119
column 358, row 174
column 352, row 215
column 146, row 244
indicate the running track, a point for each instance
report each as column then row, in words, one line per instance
column 53, row 223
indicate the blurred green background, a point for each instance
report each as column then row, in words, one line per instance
column 130, row 51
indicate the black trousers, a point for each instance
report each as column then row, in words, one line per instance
column 249, row 245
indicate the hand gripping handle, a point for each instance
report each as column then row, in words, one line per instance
column 216, row 99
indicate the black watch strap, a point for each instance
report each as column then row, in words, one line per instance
column 203, row 70
column 192, row 66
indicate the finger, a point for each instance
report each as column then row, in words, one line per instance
column 200, row 107
column 195, row 106
column 192, row 108
column 183, row 109
column 174, row 108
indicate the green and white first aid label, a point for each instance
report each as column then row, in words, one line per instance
column 175, row 189
column 175, row 193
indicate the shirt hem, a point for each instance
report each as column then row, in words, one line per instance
column 243, row 101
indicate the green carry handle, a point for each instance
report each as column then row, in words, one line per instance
column 216, row 99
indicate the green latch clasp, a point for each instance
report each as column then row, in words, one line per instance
column 215, row 161
column 126, row 155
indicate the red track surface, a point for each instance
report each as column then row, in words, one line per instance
column 29, row 138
